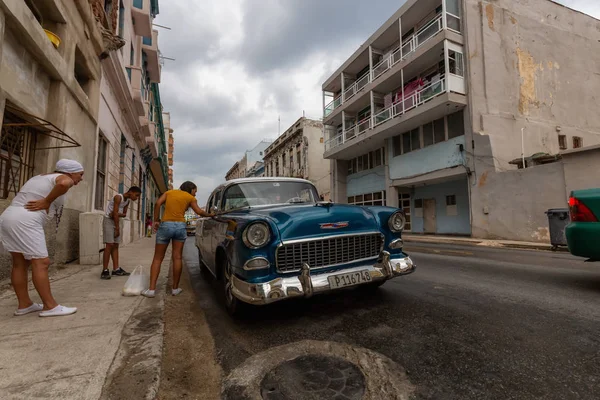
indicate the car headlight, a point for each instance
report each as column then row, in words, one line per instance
column 256, row 235
column 396, row 221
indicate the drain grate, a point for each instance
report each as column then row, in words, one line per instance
column 314, row 377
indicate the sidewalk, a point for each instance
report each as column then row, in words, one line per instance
column 111, row 348
column 467, row 241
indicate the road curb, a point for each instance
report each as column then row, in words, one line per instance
column 485, row 243
column 137, row 365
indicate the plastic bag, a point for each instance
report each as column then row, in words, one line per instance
column 137, row 282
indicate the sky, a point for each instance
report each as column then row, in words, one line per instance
column 242, row 64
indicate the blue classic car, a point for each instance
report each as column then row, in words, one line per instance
column 273, row 240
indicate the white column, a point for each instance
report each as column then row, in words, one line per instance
column 402, row 79
column 372, row 109
column 343, row 125
column 371, row 62
column 446, row 64
column 343, row 80
column 323, row 98
column 400, row 32
column 444, row 24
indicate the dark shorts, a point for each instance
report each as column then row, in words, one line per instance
column 168, row 231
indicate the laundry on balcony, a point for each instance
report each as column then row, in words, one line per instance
column 409, row 91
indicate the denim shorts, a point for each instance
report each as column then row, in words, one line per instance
column 168, row 231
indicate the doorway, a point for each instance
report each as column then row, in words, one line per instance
column 429, row 216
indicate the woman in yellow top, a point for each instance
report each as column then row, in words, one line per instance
column 172, row 228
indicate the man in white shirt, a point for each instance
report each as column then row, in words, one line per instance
column 111, row 225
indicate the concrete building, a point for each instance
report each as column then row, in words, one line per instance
column 246, row 166
column 66, row 92
column 257, row 170
column 234, row 172
column 171, row 146
column 429, row 112
column 298, row 152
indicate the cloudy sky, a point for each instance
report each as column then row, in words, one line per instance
column 240, row 64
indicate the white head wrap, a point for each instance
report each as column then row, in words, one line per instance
column 69, row 166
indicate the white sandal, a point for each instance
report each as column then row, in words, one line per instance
column 59, row 311
column 32, row 308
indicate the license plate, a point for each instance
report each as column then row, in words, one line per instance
column 349, row 279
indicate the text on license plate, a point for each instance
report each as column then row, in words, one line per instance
column 349, row 279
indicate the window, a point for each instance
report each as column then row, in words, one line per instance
column 428, row 134
column 406, row 143
column 456, row 63
column 299, row 160
column 577, row 142
column 261, row 153
column 122, row 164
column 131, row 54
column 121, row 18
column 101, row 173
column 415, row 139
column 217, row 200
column 291, row 162
column 17, row 154
column 368, row 199
column 404, row 205
column 562, row 142
column 397, row 145
column 283, row 161
column 81, row 71
column 378, row 157
column 451, row 209
column 141, row 185
column 456, row 125
column 439, row 131
column 418, row 208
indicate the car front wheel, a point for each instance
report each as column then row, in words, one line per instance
column 233, row 305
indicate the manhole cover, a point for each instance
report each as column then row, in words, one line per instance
column 314, row 377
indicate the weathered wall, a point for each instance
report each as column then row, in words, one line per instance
column 532, row 64
column 369, row 181
column 447, row 223
column 318, row 167
column 515, row 202
column 431, row 158
column 581, row 170
column 40, row 80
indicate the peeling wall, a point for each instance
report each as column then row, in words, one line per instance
column 532, row 65
column 511, row 204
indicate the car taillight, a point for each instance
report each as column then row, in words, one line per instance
column 580, row 212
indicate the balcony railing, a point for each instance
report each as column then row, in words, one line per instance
column 409, row 46
column 414, row 100
column 333, row 105
column 357, row 86
column 147, row 41
column 138, row 4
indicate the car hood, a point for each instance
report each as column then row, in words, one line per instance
column 305, row 221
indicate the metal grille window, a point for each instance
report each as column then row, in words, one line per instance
column 101, row 173
column 327, row 252
column 17, row 148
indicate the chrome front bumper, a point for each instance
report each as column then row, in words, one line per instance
column 306, row 285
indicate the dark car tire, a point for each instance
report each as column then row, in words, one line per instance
column 234, row 306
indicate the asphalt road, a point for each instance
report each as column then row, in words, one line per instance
column 470, row 323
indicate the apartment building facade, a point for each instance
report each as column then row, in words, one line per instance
column 249, row 164
column 66, row 92
column 429, row 112
column 298, row 152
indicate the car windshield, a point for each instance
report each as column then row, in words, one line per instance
column 266, row 193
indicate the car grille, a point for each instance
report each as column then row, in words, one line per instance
column 326, row 252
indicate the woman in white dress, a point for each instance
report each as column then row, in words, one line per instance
column 22, row 234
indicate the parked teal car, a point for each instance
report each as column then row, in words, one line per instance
column 583, row 233
column 274, row 240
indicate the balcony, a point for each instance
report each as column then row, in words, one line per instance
column 427, row 94
column 399, row 53
column 141, row 16
column 150, row 49
column 151, row 142
column 138, row 89
column 145, row 127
